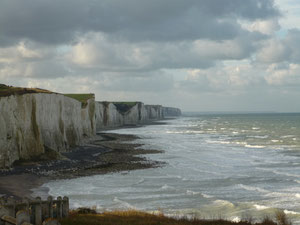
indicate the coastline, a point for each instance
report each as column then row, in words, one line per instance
column 106, row 153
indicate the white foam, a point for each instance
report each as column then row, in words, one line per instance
column 223, row 203
column 297, row 195
column 290, row 212
column 240, row 142
column 255, row 128
column 218, row 142
column 166, row 187
column 174, row 132
column 261, row 207
column 250, row 188
column 193, row 132
column 125, row 204
column 286, row 174
column 185, row 132
column 236, row 219
column 207, row 196
column 288, row 136
column 224, row 142
column 259, row 137
column 188, row 192
column 254, row 146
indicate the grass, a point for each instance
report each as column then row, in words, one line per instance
column 6, row 90
column 10, row 90
column 83, row 98
column 90, row 217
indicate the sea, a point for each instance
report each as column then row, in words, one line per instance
column 222, row 166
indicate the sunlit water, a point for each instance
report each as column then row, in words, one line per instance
column 228, row 166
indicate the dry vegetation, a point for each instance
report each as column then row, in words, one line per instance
column 9, row 90
column 6, row 90
column 90, row 217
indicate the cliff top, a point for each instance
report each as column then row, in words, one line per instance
column 83, row 98
column 6, row 90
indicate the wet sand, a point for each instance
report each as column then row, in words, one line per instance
column 106, row 153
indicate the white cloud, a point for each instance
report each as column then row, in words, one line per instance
column 268, row 27
column 26, row 52
column 273, row 51
column 215, row 53
column 283, row 75
column 97, row 51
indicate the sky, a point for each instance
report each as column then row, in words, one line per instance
column 198, row 55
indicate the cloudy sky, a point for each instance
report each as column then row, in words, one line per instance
column 199, row 55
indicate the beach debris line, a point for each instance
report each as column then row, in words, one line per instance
column 34, row 212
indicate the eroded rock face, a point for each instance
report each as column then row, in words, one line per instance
column 154, row 112
column 171, row 112
column 136, row 115
column 31, row 122
column 109, row 116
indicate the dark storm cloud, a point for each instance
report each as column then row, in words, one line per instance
column 59, row 21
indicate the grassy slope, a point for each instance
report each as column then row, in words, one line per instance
column 141, row 218
column 81, row 97
column 9, row 90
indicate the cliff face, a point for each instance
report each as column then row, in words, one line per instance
column 136, row 115
column 171, row 112
column 154, row 112
column 34, row 120
column 109, row 115
column 30, row 123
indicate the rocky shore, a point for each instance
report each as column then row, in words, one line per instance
column 106, row 153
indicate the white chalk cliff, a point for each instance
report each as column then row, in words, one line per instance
column 32, row 123
column 110, row 115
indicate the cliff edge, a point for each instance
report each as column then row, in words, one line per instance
column 35, row 121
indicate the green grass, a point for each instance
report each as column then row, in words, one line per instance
column 83, row 98
column 142, row 218
column 10, row 90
